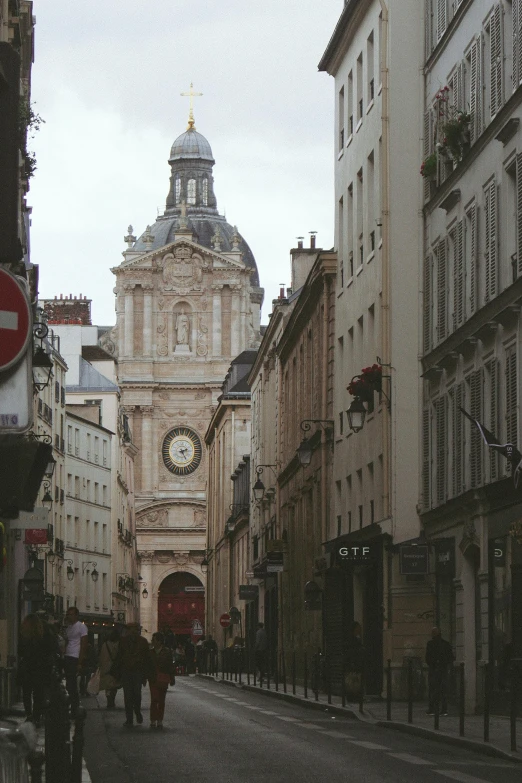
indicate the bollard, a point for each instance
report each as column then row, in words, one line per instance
column 343, row 686
column 77, row 746
column 462, row 702
column 36, row 762
column 328, row 680
column 223, row 665
column 283, row 660
column 316, row 676
column 487, row 693
column 240, row 666
column 268, row 672
column 305, row 676
column 361, row 693
column 248, row 667
column 388, row 691
column 410, row 691
column 436, row 714
column 255, row 674
column 293, row 673
column 276, row 673
column 513, row 709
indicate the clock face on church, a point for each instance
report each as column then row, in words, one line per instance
column 181, row 451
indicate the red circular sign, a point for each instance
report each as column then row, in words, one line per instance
column 224, row 620
column 15, row 320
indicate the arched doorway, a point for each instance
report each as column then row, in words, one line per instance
column 181, row 602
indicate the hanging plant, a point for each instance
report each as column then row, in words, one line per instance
column 428, row 168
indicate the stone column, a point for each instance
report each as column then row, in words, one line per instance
column 216, row 320
column 148, row 606
column 235, row 326
column 129, row 319
column 147, row 320
column 146, row 447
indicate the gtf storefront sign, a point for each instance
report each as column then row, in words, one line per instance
column 356, row 554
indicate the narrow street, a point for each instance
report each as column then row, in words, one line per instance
column 220, row 734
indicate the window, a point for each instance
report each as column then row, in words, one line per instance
column 426, row 457
column 475, row 383
column 442, row 18
column 491, row 241
column 493, row 48
column 511, row 395
column 340, row 119
column 441, row 446
column 360, row 509
column 442, row 283
column 350, row 104
column 177, row 190
column 69, row 439
column 360, row 106
column 471, row 256
column 204, row 191
column 370, row 192
column 191, row 191
column 517, row 43
column 340, row 230
column 475, row 98
column 76, row 486
column 457, row 246
column 341, row 423
column 492, row 376
column 458, row 468
column 370, row 68
column 349, row 226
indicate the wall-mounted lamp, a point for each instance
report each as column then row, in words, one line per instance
column 363, row 387
column 70, row 570
column 48, row 472
column 144, row 592
column 51, row 557
column 47, row 499
column 259, row 488
column 42, row 363
column 305, row 449
column 94, row 573
column 206, row 560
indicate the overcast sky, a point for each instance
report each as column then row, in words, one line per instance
column 107, row 79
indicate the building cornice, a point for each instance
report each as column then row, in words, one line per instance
column 353, row 12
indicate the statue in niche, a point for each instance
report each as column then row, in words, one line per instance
column 182, row 328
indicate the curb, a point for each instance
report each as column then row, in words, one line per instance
column 473, row 745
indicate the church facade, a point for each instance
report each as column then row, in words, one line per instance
column 187, row 303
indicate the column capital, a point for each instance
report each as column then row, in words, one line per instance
column 148, row 409
column 129, row 287
column 217, row 286
column 146, row 555
column 148, row 288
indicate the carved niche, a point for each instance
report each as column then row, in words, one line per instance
column 159, row 518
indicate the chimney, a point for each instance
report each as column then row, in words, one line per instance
column 312, row 239
column 300, row 243
column 282, row 291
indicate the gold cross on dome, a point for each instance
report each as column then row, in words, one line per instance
column 191, row 94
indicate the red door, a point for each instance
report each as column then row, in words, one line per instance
column 178, row 606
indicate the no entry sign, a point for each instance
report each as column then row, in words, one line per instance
column 225, row 620
column 15, row 320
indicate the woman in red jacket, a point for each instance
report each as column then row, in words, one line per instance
column 163, row 675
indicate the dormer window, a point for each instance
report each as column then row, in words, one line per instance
column 191, row 191
column 204, row 191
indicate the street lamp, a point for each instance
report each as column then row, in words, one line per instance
column 356, row 415
column 145, row 592
column 47, row 499
column 94, row 573
column 48, row 472
column 305, row 450
column 42, row 369
column 259, row 488
column 51, row 557
column 70, row 570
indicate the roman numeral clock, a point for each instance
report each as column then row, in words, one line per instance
column 181, row 451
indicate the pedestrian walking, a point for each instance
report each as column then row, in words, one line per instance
column 211, row 654
column 162, row 675
column 190, row 656
column 75, row 654
column 109, row 682
column 134, row 660
column 260, row 650
column 37, row 654
column 89, row 667
column 439, row 656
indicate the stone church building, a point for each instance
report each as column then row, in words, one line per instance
column 188, row 302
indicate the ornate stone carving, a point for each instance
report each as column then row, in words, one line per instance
column 180, row 558
column 146, row 556
column 202, row 347
column 164, row 557
column 161, row 330
column 161, row 303
column 182, row 271
column 200, row 395
column 109, row 342
column 163, row 395
column 159, row 518
column 199, row 517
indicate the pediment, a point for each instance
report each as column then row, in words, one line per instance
column 182, row 249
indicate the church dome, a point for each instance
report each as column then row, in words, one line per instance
column 191, row 145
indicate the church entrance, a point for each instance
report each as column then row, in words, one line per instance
column 181, row 602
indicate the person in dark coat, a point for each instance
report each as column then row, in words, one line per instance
column 439, row 656
column 37, row 653
column 134, row 662
column 162, row 675
column 190, row 656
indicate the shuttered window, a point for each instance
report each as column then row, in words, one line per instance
column 475, row 88
column 442, row 18
column 442, row 293
column 491, row 241
column 511, row 396
column 518, row 176
column 441, row 448
column 493, row 420
column 428, row 27
column 517, row 43
column 476, row 382
column 426, row 458
column 428, row 302
column 471, row 257
column 496, row 61
column 457, row 237
column 457, row 401
column 456, row 85
column 429, row 147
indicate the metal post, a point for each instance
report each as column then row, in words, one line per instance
column 513, row 709
column 283, row 670
column 343, row 685
column 248, row 665
column 276, row 673
column 462, row 701
column 293, row 673
column 436, row 715
column 223, row 664
column 316, row 675
column 487, row 693
column 328, row 680
column 361, row 693
column 305, row 675
column 57, row 734
column 240, row 665
column 410, row 691
column 267, row 661
column 388, row 690
column 77, row 746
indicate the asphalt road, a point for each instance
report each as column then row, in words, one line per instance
column 218, row 734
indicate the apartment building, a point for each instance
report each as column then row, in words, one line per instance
column 472, row 266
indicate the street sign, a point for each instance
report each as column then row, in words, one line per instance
column 31, row 520
column 15, row 320
column 36, row 536
column 414, row 559
column 194, row 589
column 248, row 592
column 225, row 620
column 197, row 628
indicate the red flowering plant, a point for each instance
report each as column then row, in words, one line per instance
column 369, row 381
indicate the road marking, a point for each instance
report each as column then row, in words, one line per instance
column 268, row 712
column 336, row 734
column 461, row 776
column 411, row 759
column 288, row 719
column 310, row 726
column 369, row 745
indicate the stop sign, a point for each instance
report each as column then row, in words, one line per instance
column 224, row 620
column 15, row 320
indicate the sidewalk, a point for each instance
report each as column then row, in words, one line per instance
column 374, row 712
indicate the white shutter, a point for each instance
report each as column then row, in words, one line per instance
column 458, row 274
column 475, row 89
column 442, row 18
column 428, row 147
column 426, row 458
column 471, row 241
column 496, row 61
column 441, row 440
column 428, row 27
column 491, row 245
column 492, row 368
column 511, row 396
column 517, row 43
column 519, row 212
column 442, row 284
column 475, row 383
column 427, row 302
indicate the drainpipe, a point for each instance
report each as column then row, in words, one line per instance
column 385, row 259
column 324, row 411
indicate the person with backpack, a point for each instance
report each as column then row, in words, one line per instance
column 133, row 661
